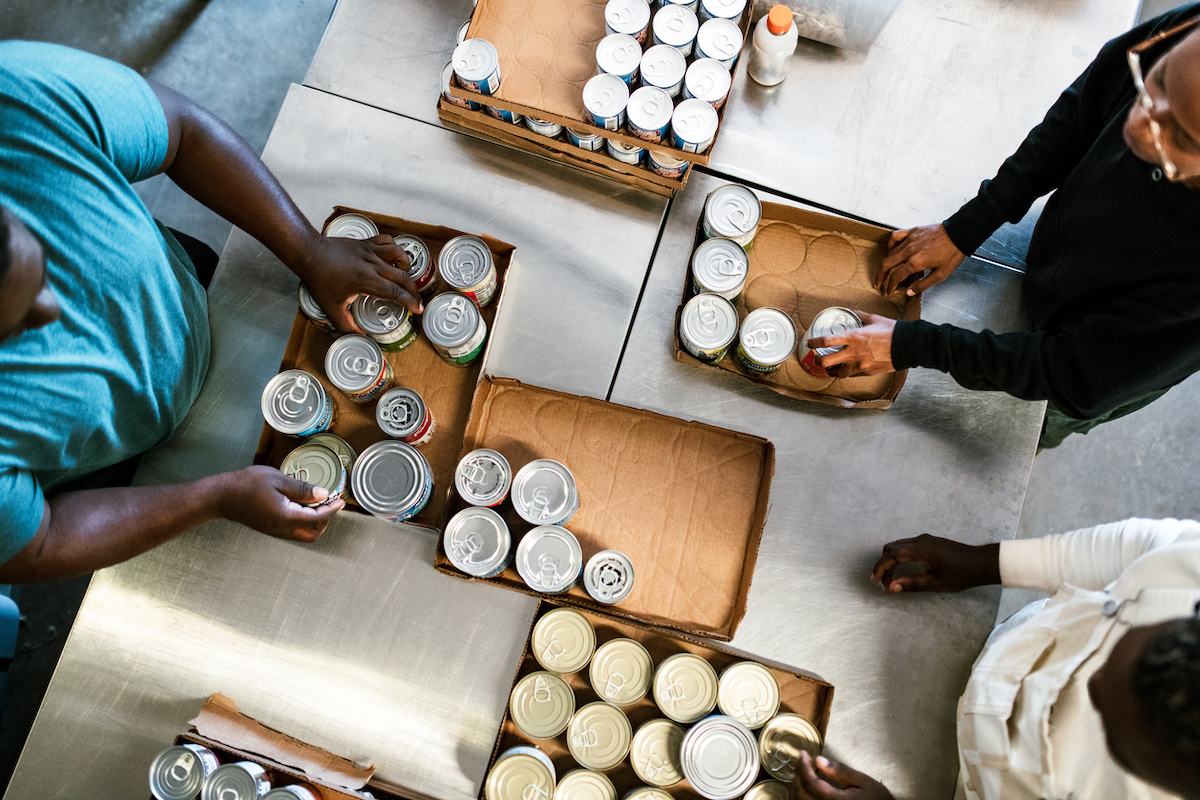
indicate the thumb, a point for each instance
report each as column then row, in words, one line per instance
column 838, row 771
column 868, row 318
column 911, row 583
column 302, row 492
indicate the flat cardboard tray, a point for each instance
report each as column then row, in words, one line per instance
column 446, row 390
column 685, row 501
column 803, row 262
column 799, row 694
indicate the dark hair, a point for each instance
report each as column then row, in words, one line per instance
column 1166, row 681
column 3, row 243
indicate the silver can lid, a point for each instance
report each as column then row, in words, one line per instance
column 541, row 705
column 663, row 67
column 720, row 38
column 720, row 758
column 462, row 31
column 400, row 412
column 475, row 59
column 621, row 147
column 605, row 95
column 483, row 477
column 608, row 576
column 464, row 262
column 544, row 490
column 389, row 477
column 719, row 265
column 618, row 54
column 655, row 752
column 309, row 306
column 447, row 74
column 666, row 161
column 178, row 773
column 748, row 692
column 768, row 335
column 780, row 742
column 316, row 464
column 450, row 319
column 727, row 9
column 675, row 25
column 293, row 401
column 351, row 226
column 709, row 321
column 627, row 16
column 650, row 108
column 353, row 362
column 345, row 453
column 833, row 322
column 585, row 136
column 417, row 252
column 477, row 541
column 549, row 559
column 585, row 784
column 708, row 79
column 694, row 121
column 376, row 315
column 242, row 780
column 733, row 210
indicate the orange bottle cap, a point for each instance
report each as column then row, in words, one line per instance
column 779, row 19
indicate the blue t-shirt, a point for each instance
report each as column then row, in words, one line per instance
column 118, row 372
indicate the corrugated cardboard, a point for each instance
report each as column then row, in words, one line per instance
column 803, row 262
column 446, row 390
column 799, row 694
column 685, row 501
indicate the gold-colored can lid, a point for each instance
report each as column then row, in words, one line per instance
column 780, row 742
column 519, row 776
column 585, row 784
column 749, row 693
column 541, row 705
column 599, row 736
column 647, row 793
column 655, row 753
column 767, row 790
column 563, row 641
column 685, row 687
column 621, row 671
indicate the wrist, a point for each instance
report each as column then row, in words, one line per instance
column 214, row 493
column 302, row 253
column 987, row 564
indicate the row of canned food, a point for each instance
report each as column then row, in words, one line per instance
column 523, row 775
column 194, row 772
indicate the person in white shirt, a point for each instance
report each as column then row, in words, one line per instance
column 1092, row 693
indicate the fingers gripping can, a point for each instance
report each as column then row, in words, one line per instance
column 420, row 265
column 831, row 322
column 483, row 478
column 455, row 328
column 392, row 480
column 314, row 312
column 707, row 327
column 477, row 542
column 388, row 323
column 403, row 414
column 477, row 66
column 296, row 404
column 732, row 211
column 780, row 742
column 466, row 265
column 767, row 339
column 179, row 772
column 351, row 226
column 317, row 465
column 356, row 366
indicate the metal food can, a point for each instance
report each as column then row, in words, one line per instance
column 549, row 559
column 599, row 735
column 693, row 126
column 314, row 312
column 403, row 414
column 356, row 366
column 685, row 687
column 732, row 211
column 720, row 39
column 768, row 790
column 563, row 641
column 676, row 26
column 655, row 751
column 604, row 99
column 720, row 758
column 454, row 326
column 477, row 542
column 665, row 165
column 345, row 453
column 748, row 692
column 462, row 32
column 420, row 265
column 586, row 140
column 541, row 705
column 720, row 266
column 620, row 55
column 351, row 226
column 316, row 464
column 293, row 792
column 766, row 340
column 831, row 322
column 447, row 81
column 296, row 404
column 691, row 5
column 707, row 327
column 241, row 780
column 504, row 115
column 649, row 114
column 520, row 773
column 626, row 153
column 647, row 793
column 392, row 480
column 630, row 17
column 483, row 478
column 608, row 576
column 477, row 66
column 179, row 772
column 544, row 493
column 780, row 742
column 467, row 266
column 621, row 671
column 544, row 127
column 664, row 68
column 585, row 784
column 721, row 9
column 388, row 323
column 706, row 79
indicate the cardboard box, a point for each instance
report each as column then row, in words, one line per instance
column 685, row 501
column 803, row 262
column 447, row 390
column 547, row 52
column 799, row 694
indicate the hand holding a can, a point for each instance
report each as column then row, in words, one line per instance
column 278, row 505
column 949, row 566
column 823, row 778
column 927, row 251
column 338, row 270
column 864, row 351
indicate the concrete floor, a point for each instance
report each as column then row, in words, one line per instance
column 237, row 58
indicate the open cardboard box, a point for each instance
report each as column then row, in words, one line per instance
column 799, row 694
column 547, row 52
column 803, row 262
column 446, row 390
column 685, row 501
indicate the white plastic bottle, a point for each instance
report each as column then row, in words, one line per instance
column 774, row 42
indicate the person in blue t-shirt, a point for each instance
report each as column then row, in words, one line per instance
column 104, row 339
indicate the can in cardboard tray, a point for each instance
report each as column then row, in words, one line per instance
column 586, row 140
column 626, row 153
column 721, row 9
column 292, row 791
column 585, row 784
column 477, row 66
column 544, row 493
column 665, row 165
column 664, row 68
column 732, row 211
column 707, row 80
column 647, row 793
column 351, row 226
column 748, row 692
column 477, row 542
column 720, row 266
column 768, row 790
column 649, row 114
column 549, row 559
column 296, row 404
column 483, row 477
column 520, row 773
column 719, row 39
column 563, row 641
column 831, row 322
column 599, row 736
column 504, row 115
column 766, row 340
column 675, row 26
column 541, row 705
column 392, row 480
column 720, row 758
column 544, row 127
column 403, row 414
column 241, row 780
column 621, row 671
column 317, row 465
column 685, row 687
column 620, row 55
column 448, row 79
column 707, row 327
column 780, row 742
column 388, row 324
column 179, row 772
column 314, row 312
column 693, row 126
column 466, row 265
column 690, row 5
column 630, row 17
column 608, row 576
column 654, row 753
column 604, row 99
column 455, row 328
column 462, row 32
column 420, row 265
column 345, row 453
column 356, row 366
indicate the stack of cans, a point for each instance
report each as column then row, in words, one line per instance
column 194, row 772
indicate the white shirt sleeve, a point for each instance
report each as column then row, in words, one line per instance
column 1089, row 558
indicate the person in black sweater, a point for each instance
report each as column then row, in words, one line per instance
column 1113, row 268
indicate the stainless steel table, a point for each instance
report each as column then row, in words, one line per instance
column 942, row 460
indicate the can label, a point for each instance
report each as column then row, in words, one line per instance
column 424, row 433
column 753, row 365
column 398, row 339
column 382, row 383
column 483, row 292
column 668, row 170
column 830, row 322
column 469, row 351
column 504, row 115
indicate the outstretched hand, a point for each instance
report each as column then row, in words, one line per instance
column 927, row 249
column 949, row 566
column 866, row 350
column 825, row 779
column 338, row 270
column 278, row 505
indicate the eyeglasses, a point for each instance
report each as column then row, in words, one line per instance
column 1135, row 66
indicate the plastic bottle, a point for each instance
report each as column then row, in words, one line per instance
column 774, row 42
